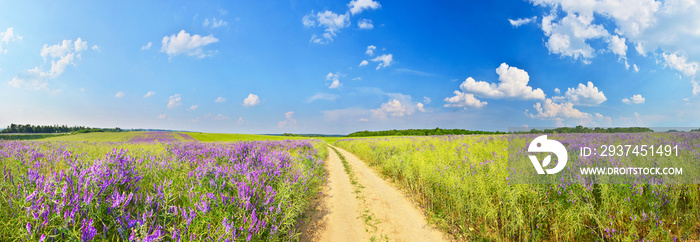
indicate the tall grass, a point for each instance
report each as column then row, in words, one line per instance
column 191, row 191
column 463, row 182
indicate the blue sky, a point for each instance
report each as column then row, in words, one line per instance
column 344, row 66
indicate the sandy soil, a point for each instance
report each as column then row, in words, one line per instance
column 338, row 217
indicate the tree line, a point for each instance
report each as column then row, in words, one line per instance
column 581, row 129
column 420, row 132
column 29, row 129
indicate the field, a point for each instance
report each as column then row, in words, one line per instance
column 169, row 186
column 463, row 182
column 153, row 191
column 27, row 136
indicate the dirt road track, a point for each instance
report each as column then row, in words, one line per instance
column 340, row 211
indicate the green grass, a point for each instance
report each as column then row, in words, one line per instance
column 27, row 136
column 463, row 182
column 214, row 137
column 97, row 137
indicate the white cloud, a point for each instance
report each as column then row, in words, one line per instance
column 636, row 99
column 370, row 50
column 162, row 116
column 393, row 108
column 357, row 6
column 365, row 24
column 550, row 109
column 6, row 37
column 680, row 63
column 420, row 107
column 384, row 60
column 80, row 45
column 617, row 45
column 557, row 91
column 335, row 80
column 149, row 94
column 568, row 36
column 147, row 46
column 635, row 68
column 463, row 100
column 184, row 43
column 364, row 63
column 220, row 100
column 193, row 107
column 175, row 101
column 288, row 121
column 119, row 95
column 427, row 100
column 322, row 96
column 640, row 49
column 664, row 26
column 251, row 100
column 516, row 23
column 331, row 23
column 512, row 84
column 696, row 87
column 213, row 23
column 61, row 56
column 586, row 95
column 96, row 48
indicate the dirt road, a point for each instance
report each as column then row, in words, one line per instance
column 368, row 209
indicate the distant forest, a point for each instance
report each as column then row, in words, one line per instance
column 419, row 132
column 581, row 129
column 32, row 129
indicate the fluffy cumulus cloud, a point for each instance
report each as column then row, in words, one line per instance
column 512, row 84
column 617, row 45
column 332, row 22
column 365, row 24
column 357, row 6
column 636, row 99
column 585, row 95
column 288, row 122
column 680, row 63
column 175, row 101
column 364, row 63
column 568, row 36
column 213, row 23
column 392, row 108
column 60, row 56
column 516, row 23
column 398, row 105
column 251, row 100
column 667, row 28
column 335, row 80
column 220, row 100
column 184, row 43
column 384, row 60
column 7, row 37
column 370, row 50
column 553, row 110
column 420, row 107
column 463, row 100
column 149, row 94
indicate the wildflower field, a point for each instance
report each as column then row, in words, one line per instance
column 463, row 182
column 142, row 190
